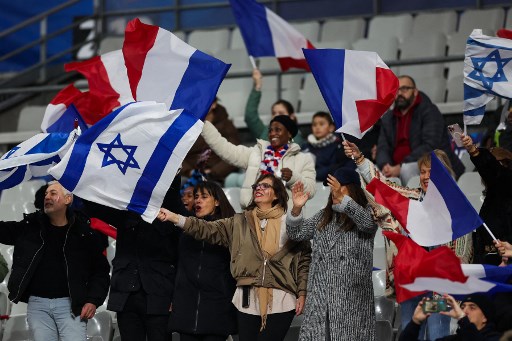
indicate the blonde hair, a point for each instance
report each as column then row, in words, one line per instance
column 426, row 160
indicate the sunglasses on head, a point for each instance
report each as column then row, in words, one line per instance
column 262, row 185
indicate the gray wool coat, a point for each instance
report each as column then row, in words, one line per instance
column 340, row 275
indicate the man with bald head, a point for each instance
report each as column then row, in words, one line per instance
column 58, row 268
column 414, row 126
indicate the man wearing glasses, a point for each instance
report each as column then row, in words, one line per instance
column 412, row 128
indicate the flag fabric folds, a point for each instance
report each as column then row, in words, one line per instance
column 443, row 215
column 33, row 157
column 414, row 262
column 440, row 270
column 154, row 65
column 57, row 117
column 128, row 159
column 487, row 73
column 265, row 34
column 357, row 87
column 163, row 68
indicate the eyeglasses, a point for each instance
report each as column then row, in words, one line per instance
column 261, row 185
column 405, row 88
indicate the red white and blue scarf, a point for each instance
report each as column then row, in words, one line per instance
column 271, row 160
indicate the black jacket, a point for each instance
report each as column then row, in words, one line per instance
column 87, row 267
column 204, row 290
column 146, row 255
column 466, row 332
column 427, row 132
column 496, row 210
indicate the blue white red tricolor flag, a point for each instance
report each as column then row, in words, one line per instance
column 267, row 35
column 418, row 271
column 129, row 158
column 357, row 87
column 487, row 73
column 34, row 157
column 163, row 68
column 154, row 65
column 443, row 215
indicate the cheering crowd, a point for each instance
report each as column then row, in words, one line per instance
column 206, row 272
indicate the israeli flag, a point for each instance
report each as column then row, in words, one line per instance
column 129, row 158
column 487, row 73
column 34, row 157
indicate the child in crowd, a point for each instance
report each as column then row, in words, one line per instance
column 325, row 146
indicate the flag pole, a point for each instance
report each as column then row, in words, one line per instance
column 253, row 63
column 489, row 231
column 344, row 140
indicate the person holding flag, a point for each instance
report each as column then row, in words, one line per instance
column 438, row 326
column 495, row 167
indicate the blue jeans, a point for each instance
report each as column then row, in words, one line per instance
column 52, row 319
column 436, row 326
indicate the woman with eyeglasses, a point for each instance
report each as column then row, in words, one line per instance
column 270, row 269
column 340, row 304
column 279, row 156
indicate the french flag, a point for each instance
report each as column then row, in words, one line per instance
column 418, row 271
column 357, row 86
column 267, row 35
column 443, row 215
column 163, row 68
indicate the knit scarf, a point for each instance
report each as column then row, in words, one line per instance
column 271, row 159
column 268, row 230
column 323, row 142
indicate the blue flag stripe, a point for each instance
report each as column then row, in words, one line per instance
column 464, row 217
column 81, row 149
column 14, row 179
column 49, row 144
column 471, row 41
column 328, row 68
column 66, row 123
column 199, row 84
column 158, row 161
column 251, row 18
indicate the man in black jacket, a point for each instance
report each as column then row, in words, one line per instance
column 58, row 268
column 414, row 126
column 475, row 317
column 144, row 269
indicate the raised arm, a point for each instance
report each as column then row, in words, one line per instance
column 217, row 232
column 252, row 116
column 362, row 216
column 296, row 227
column 237, row 156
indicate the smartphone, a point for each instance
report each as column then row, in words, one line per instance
column 246, row 296
column 456, row 132
column 435, row 306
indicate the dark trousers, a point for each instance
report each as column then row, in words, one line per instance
column 275, row 330
column 193, row 337
column 136, row 325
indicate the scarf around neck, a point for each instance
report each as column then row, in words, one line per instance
column 268, row 229
column 272, row 159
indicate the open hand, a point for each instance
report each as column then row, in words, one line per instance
column 299, row 197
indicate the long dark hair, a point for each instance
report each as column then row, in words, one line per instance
column 279, row 190
column 345, row 222
column 224, row 210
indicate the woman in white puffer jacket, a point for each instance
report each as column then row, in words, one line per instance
column 280, row 157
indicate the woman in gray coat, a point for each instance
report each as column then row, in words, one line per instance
column 339, row 305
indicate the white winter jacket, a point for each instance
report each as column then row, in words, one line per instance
column 249, row 158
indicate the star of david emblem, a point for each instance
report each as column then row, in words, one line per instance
column 479, row 64
column 109, row 158
column 10, row 152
